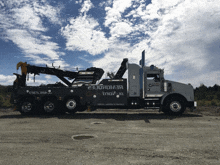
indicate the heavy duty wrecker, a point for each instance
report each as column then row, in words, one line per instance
column 145, row 88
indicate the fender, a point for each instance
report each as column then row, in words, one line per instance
column 169, row 94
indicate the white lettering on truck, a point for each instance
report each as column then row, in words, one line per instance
column 106, row 87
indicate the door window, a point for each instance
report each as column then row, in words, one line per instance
column 155, row 77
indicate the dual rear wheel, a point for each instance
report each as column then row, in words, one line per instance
column 48, row 106
column 26, row 107
column 53, row 106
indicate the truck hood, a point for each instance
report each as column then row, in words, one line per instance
column 184, row 89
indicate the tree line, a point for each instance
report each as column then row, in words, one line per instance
column 5, row 96
column 207, row 93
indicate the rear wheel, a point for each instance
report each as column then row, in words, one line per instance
column 174, row 106
column 26, row 107
column 52, row 106
column 49, row 106
column 71, row 105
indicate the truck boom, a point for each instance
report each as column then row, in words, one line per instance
column 93, row 74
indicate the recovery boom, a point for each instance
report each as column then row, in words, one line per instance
column 90, row 74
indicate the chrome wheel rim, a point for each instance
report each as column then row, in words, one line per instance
column 26, row 107
column 71, row 104
column 175, row 106
column 49, row 106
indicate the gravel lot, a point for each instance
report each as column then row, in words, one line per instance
column 105, row 137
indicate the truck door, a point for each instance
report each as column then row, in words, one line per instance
column 152, row 84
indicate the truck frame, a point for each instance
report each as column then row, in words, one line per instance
column 145, row 88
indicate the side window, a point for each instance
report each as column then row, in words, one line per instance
column 155, row 77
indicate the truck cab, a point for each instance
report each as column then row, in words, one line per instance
column 148, row 88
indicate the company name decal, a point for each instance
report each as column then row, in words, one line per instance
column 38, row 92
column 106, row 87
column 112, row 93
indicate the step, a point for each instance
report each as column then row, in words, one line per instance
column 151, row 99
column 151, row 107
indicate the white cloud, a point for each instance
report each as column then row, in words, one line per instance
column 52, row 13
column 83, row 34
column 48, row 76
column 113, row 58
column 15, row 3
column 22, row 23
column 27, row 18
column 78, row 2
column 1, row 3
column 60, row 63
column 33, row 46
column 87, row 5
column 105, row 3
column 39, row 81
column 113, row 14
column 208, row 79
column 47, row 61
column 120, row 28
column 181, row 36
column 6, row 79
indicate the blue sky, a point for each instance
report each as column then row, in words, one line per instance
column 180, row 36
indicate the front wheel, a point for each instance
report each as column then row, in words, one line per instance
column 174, row 106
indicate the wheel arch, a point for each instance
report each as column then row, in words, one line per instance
column 172, row 95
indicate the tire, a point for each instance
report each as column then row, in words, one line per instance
column 71, row 105
column 174, row 106
column 27, row 107
column 50, row 106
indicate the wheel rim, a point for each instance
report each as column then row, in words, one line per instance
column 49, row 106
column 26, row 107
column 71, row 104
column 175, row 106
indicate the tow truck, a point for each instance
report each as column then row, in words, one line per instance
column 144, row 88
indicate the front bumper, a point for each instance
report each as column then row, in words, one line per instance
column 192, row 105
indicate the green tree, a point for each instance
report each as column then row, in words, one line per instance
column 218, row 95
column 201, row 92
column 1, row 101
column 209, row 97
column 213, row 103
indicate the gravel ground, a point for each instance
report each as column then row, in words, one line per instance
column 106, row 137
